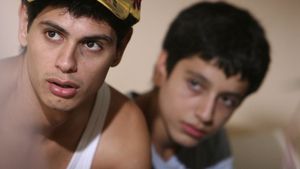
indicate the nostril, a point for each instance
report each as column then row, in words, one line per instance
column 208, row 123
column 67, row 67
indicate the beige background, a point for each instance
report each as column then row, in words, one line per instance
column 253, row 126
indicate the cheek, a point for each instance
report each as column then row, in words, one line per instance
column 174, row 104
column 93, row 75
column 221, row 119
column 35, row 64
column 39, row 55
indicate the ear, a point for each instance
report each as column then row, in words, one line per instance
column 160, row 70
column 23, row 23
column 121, row 48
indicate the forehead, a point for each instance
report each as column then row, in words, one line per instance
column 210, row 74
column 65, row 19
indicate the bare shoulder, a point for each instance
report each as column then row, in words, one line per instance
column 125, row 140
column 8, row 62
column 9, row 69
column 9, row 66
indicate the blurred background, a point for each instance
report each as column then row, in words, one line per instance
column 256, row 128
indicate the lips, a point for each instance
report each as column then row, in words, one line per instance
column 193, row 131
column 61, row 88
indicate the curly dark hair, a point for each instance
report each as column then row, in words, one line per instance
column 87, row 8
column 222, row 32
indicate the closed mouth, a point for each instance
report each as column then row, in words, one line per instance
column 193, row 131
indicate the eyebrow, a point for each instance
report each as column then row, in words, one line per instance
column 207, row 83
column 87, row 38
column 55, row 26
column 97, row 38
column 199, row 76
column 239, row 96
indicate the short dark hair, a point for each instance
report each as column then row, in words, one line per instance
column 78, row 8
column 222, row 32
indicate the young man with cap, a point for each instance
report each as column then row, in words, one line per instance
column 56, row 109
column 213, row 56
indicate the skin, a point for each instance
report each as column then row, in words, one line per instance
column 192, row 102
column 48, row 97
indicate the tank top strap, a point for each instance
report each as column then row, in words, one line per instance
column 85, row 151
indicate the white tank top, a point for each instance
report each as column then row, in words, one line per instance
column 85, row 151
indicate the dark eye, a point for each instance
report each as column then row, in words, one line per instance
column 230, row 102
column 194, row 85
column 91, row 45
column 53, row 35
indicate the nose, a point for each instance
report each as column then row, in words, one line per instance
column 66, row 61
column 205, row 110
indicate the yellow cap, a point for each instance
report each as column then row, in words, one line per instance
column 122, row 8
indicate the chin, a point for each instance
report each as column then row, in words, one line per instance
column 189, row 144
column 61, row 105
column 61, row 108
column 186, row 141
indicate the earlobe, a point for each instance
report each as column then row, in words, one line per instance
column 23, row 23
column 121, row 48
column 160, row 69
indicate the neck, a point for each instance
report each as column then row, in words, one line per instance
column 149, row 104
column 164, row 144
column 56, row 122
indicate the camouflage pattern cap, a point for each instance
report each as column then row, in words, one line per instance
column 121, row 8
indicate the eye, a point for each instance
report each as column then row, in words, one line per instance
column 91, row 45
column 53, row 35
column 230, row 101
column 194, row 85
